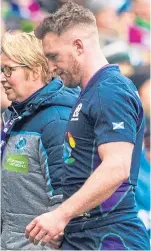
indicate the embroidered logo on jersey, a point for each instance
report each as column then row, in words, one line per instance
column 118, row 125
column 21, row 143
column 75, row 115
column 68, row 146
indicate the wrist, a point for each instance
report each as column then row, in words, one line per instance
column 65, row 212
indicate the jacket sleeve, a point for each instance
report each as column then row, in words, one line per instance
column 51, row 155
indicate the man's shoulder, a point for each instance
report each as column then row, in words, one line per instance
column 115, row 83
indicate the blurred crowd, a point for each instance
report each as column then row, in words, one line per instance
column 124, row 30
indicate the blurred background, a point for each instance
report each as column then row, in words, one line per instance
column 124, row 30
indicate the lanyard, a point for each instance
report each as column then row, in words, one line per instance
column 9, row 124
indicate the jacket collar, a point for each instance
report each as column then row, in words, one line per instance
column 33, row 102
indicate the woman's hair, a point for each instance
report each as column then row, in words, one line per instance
column 25, row 48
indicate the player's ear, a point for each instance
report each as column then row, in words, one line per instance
column 78, row 46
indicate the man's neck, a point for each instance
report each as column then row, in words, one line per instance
column 89, row 74
column 91, row 68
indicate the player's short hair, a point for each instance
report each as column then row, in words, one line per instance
column 68, row 16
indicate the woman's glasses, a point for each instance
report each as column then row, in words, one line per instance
column 7, row 70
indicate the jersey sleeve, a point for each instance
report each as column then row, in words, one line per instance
column 116, row 114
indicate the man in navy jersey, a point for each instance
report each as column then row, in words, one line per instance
column 102, row 145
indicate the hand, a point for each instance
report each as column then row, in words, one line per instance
column 47, row 227
column 56, row 242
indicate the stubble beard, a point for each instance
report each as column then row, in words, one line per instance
column 73, row 74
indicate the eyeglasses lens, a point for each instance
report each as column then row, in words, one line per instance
column 6, row 70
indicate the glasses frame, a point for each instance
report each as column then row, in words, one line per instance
column 10, row 69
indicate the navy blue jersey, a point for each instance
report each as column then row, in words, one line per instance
column 108, row 110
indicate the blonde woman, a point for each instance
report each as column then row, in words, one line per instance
column 32, row 137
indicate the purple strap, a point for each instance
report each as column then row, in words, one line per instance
column 9, row 124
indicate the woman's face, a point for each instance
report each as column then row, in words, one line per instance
column 16, row 86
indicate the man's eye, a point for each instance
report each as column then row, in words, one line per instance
column 52, row 57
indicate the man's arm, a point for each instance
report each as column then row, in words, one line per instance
column 114, row 169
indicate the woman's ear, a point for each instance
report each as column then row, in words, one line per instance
column 36, row 72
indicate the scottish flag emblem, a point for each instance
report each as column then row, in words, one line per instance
column 118, row 125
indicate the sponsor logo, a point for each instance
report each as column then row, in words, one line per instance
column 69, row 145
column 17, row 163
